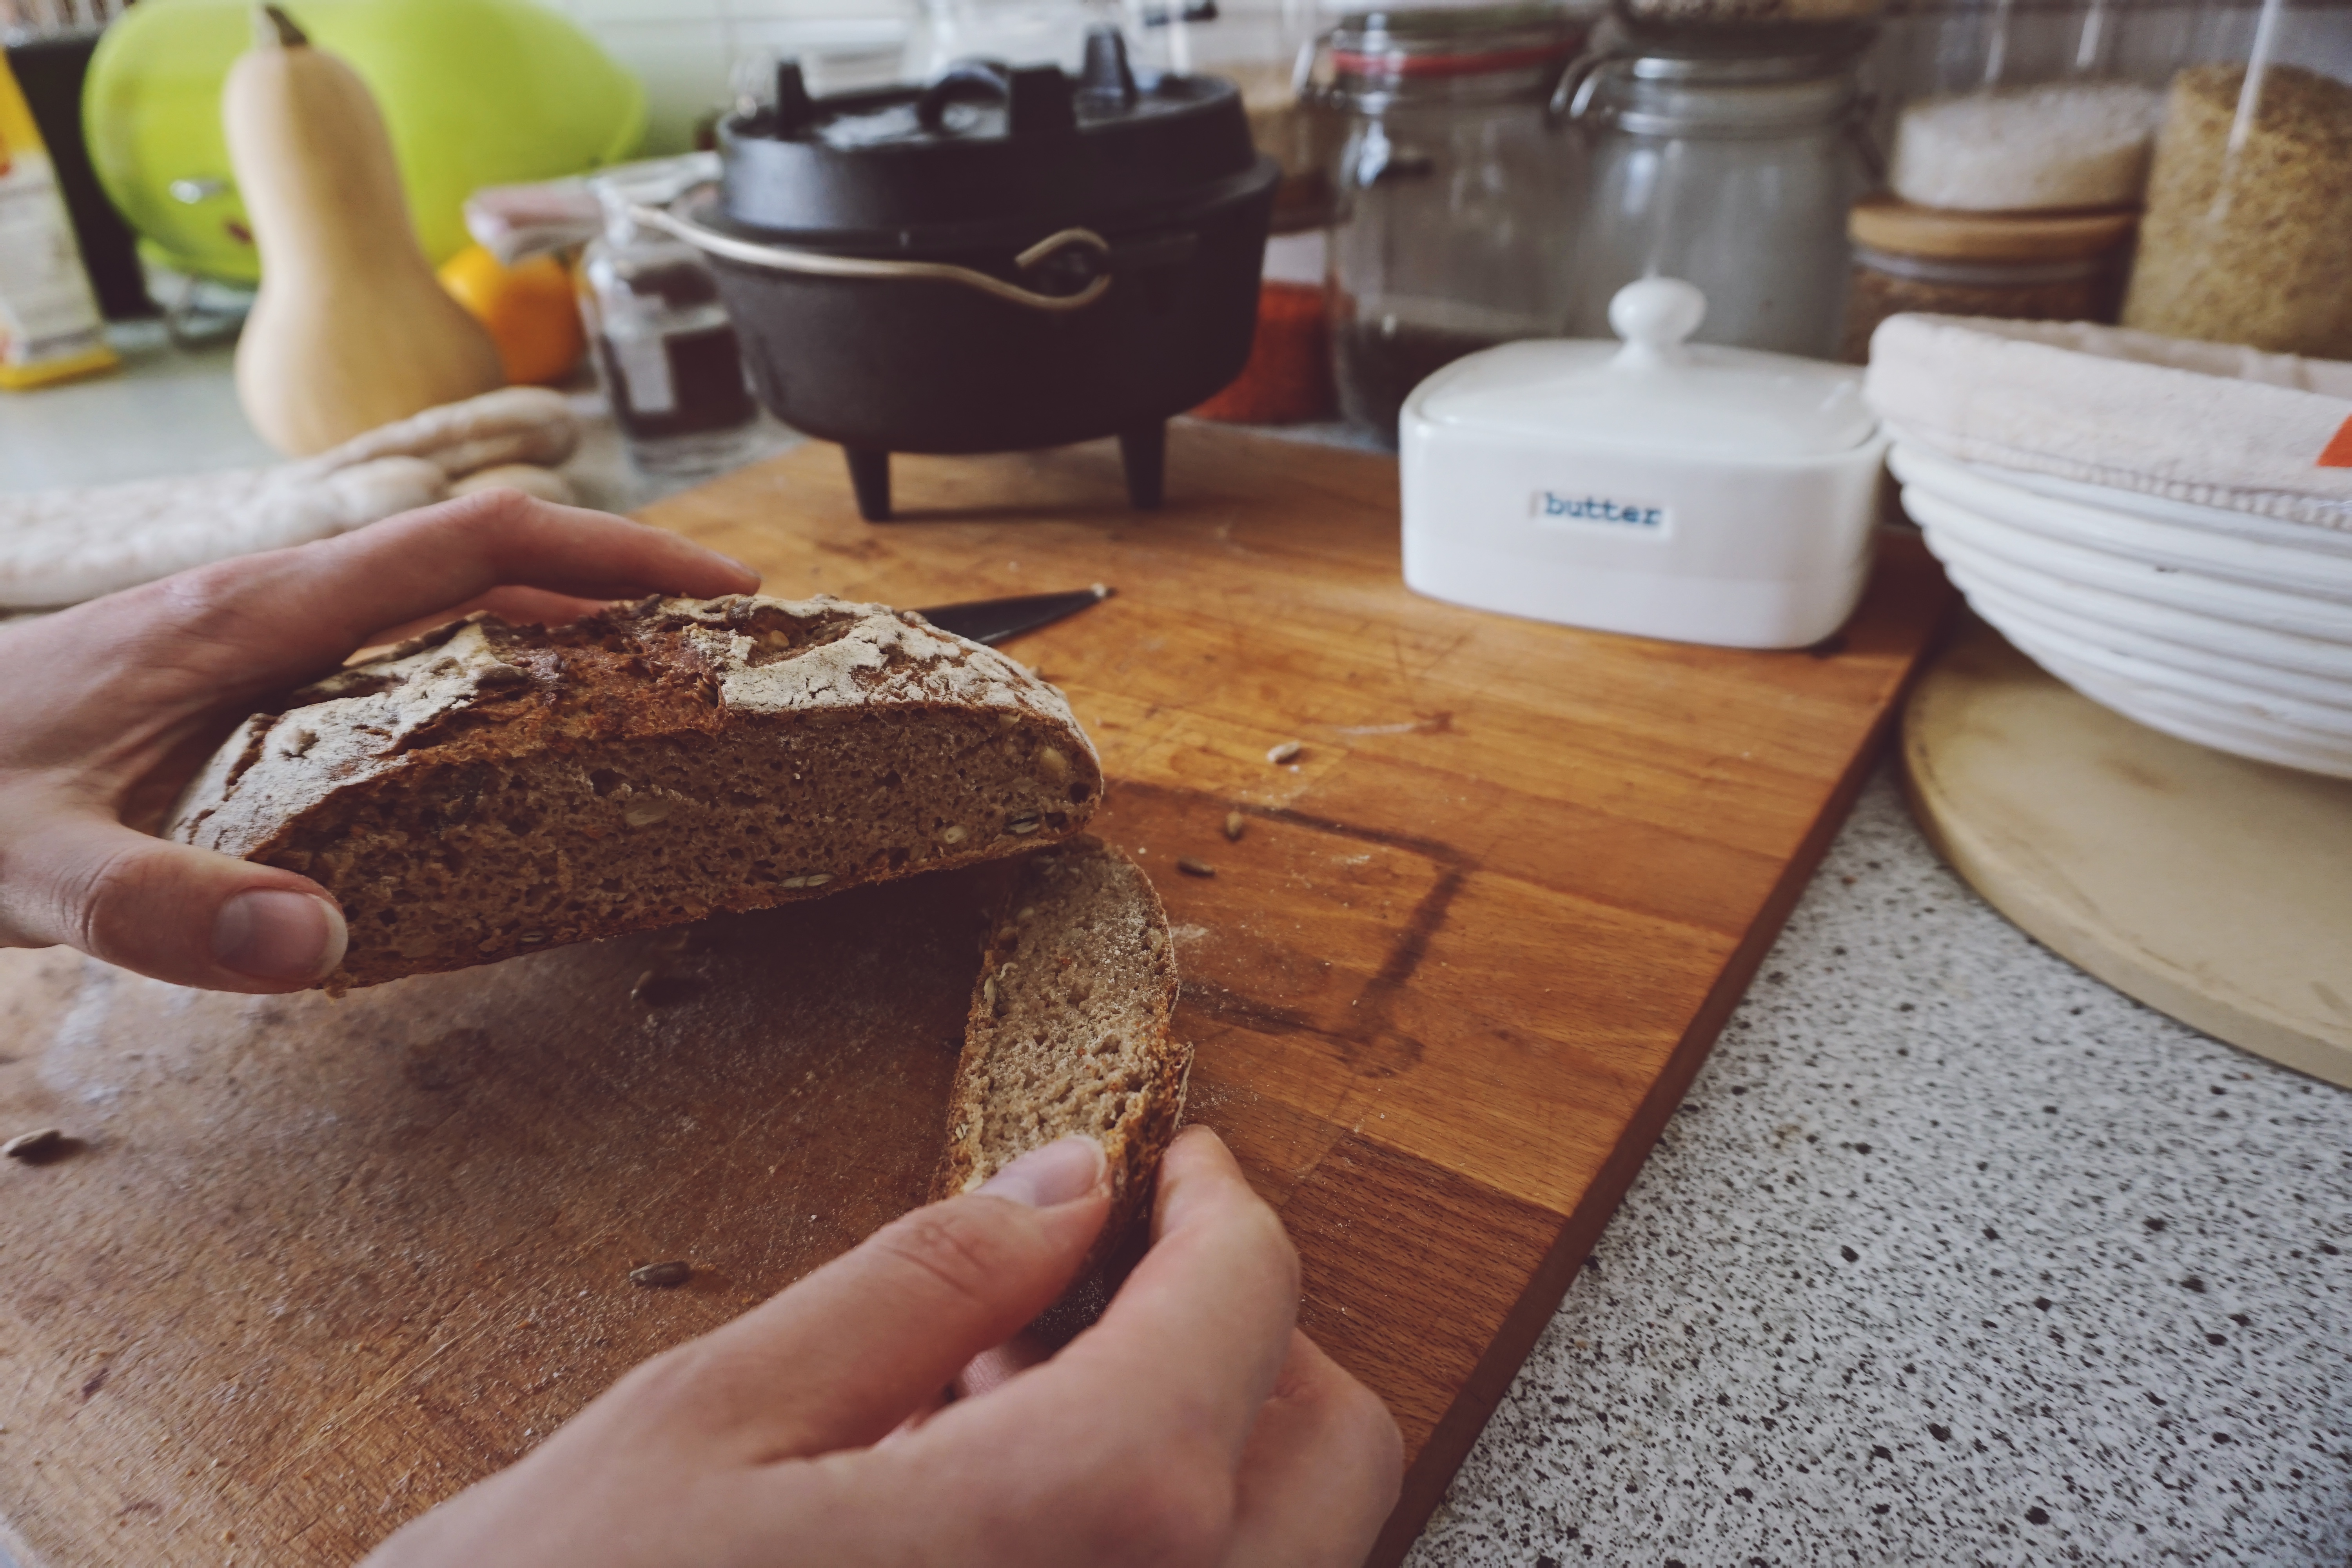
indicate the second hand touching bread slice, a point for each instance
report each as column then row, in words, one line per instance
column 1069, row 1028
column 488, row 789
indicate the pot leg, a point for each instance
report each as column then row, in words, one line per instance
column 1145, row 454
column 869, row 476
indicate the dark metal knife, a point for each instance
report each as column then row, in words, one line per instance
column 992, row 621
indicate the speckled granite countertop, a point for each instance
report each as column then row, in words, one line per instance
column 1954, row 1255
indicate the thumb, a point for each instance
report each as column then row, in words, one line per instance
column 838, row 1359
column 169, row 910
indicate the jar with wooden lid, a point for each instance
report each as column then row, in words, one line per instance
column 2025, row 267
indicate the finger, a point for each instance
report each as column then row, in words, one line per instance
column 847, row 1354
column 991, row 1368
column 1321, row 1471
column 1195, row 1336
column 263, row 622
column 164, row 910
column 1126, row 1445
column 423, row 561
column 1000, row 1365
column 517, row 606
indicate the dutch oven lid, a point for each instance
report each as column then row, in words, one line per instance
column 985, row 146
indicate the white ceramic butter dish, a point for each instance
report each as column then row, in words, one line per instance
column 1657, row 487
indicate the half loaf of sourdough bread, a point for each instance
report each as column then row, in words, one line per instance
column 1068, row 1028
column 488, row 789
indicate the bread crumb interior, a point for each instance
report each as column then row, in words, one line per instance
column 1067, row 1032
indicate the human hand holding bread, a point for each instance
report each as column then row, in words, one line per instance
column 1192, row 1424
column 113, row 705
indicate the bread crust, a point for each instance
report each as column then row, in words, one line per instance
column 419, row 787
column 1106, row 906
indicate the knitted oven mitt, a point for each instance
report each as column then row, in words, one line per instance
column 59, row 547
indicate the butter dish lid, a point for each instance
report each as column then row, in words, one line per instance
column 1655, row 392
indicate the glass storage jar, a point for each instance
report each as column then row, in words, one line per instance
column 1732, row 170
column 2023, row 266
column 1455, row 192
column 665, row 350
column 2006, row 108
column 2249, row 221
column 1724, row 21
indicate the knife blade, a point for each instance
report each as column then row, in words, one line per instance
column 992, row 621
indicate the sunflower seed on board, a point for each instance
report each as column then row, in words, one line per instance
column 1286, row 752
column 34, row 1146
column 662, row 1276
column 1235, row 826
column 1191, row 867
column 656, row 989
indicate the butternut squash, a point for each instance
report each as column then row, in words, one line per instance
column 352, row 330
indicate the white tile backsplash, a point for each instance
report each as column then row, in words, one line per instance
column 682, row 62
column 683, row 49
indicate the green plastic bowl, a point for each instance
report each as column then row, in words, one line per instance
column 474, row 93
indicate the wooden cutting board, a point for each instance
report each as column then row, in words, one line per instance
column 315, row 1265
column 2212, row 887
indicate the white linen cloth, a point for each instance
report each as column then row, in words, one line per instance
column 2211, row 423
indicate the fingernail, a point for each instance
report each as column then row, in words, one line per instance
column 273, row 934
column 1062, row 1171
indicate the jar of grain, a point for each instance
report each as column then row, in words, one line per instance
column 2025, row 267
column 2077, row 143
column 2248, row 237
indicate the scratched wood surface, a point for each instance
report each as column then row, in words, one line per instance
column 313, row 1265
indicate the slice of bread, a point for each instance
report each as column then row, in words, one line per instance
column 1068, row 1028
column 488, row 789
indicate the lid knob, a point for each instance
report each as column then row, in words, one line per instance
column 1039, row 101
column 794, row 107
column 1653, row 315
column 1108, row 77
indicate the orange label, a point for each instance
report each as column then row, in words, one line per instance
column 2338, row 453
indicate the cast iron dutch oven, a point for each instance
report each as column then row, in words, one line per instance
column 1003, row 259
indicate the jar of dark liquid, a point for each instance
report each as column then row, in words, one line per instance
column 665, row 350
column 1457, row 192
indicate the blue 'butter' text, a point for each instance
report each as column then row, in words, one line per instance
column 1599, row 509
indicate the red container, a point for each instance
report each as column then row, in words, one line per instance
column 1288, row 380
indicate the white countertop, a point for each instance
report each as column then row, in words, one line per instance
column 1954, row 1253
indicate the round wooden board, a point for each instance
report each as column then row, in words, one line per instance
column 2214, row 890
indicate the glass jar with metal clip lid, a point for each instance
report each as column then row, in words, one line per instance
column 1731, row 165
column 1456, row 190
